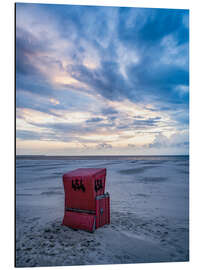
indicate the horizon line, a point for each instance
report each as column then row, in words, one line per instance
column 46, row 155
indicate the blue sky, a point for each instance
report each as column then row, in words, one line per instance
column 101, row 80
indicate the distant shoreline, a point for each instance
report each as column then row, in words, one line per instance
column 98, row 156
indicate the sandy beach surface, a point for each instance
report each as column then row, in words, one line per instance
column 149, row 212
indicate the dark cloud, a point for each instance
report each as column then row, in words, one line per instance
column 33, row 135
column 28, row 75
column 26, row 46
column 34, row 85
column 146, row 123
column 27, row 135
column 158, row 81
column 124, row 126
column 33, row 100
column 109, row 111
column 73, row 128
column 65, row 128
column 106, row 80
column 86, row 22
column 138, row 117
column 149, row 26
column 43, row 136
column 150, row 77
column 139, row 123
column 94, row 120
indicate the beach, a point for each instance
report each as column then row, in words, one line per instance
column 149, row 199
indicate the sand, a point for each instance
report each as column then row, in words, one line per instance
column 149, row 214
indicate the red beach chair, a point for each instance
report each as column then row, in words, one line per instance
column 86, row 205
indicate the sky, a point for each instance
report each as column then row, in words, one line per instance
column 101, row 80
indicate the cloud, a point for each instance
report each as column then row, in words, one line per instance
column 94, row 120
column 64, row 128
column 148, row 26
column 180, row 139
column 36, row 102
column 147, row 123
column 136, row 146
column 148, row 76
column 27, row 47
column 28, row 135
column 101, row 71
column 104, row 146
column 106, row 80
column 109, row 111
